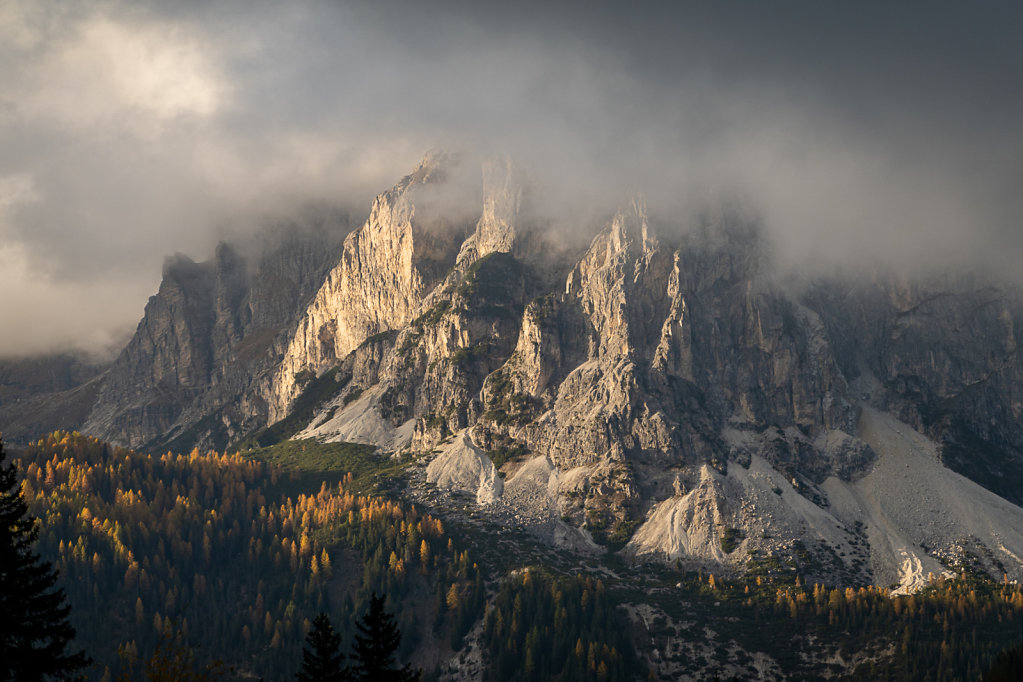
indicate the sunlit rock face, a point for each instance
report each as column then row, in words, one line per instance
column 386, row 268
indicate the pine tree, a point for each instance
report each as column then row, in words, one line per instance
column 322, row 659
column 34, row 627
column 375, row 645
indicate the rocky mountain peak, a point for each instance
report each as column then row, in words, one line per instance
column 386, row 268
column 497, row 229
column 207, row 338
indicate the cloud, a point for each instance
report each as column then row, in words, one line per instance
column 47, row 316
column 131, row 130
column 109, row 74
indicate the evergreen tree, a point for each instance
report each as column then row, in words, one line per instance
column 375, row 645
column 175, row 661
column 322, row 659
column 34, row 627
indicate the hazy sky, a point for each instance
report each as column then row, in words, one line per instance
column 133, row 130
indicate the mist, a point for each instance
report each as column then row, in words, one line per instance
column 130, row 131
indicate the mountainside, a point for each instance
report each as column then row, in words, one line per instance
column 652, row 404
column 190, row 374
column 38, row 394
column 662, row 392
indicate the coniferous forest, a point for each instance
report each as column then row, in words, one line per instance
column 211, row 548
column 223, row 562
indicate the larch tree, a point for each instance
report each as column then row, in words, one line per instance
column 34, row 630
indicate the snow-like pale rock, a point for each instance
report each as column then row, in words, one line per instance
column 683, row 525
column 376, row 285
column 534, row 483
column 529, row 502
column 359, row 422
column 787, row 514
column 757, row 501
column 911, row 500
column 907, row 502
column 462, row 466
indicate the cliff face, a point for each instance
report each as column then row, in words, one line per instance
column 207, row 338
column 941, row 355
column 385, row 270
column 654, row 348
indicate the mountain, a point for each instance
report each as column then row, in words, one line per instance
column 666, row 389
column 651, row 392
column 654, row 391
column 192, row 373
column 42, row 393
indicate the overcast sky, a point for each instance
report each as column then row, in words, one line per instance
column 134, row 130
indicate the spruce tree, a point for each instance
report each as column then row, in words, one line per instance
column 322, row 658
column 375, row 645
column 34, row 627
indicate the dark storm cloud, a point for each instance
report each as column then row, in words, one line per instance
column 131, row 130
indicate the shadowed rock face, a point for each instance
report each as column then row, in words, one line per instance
column 206, row 340
column 941, row 355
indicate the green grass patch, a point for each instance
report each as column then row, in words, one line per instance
column 621, row 534
column 505, row 406
column 308, row 463
column 730, row 539
column 431, row 317
column 505, row 453
column 384, row 336
column 465, row 356
column 352, row 396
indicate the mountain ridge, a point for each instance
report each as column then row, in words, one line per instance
column 652, row 393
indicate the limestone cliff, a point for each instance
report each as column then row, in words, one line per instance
column 939, row 353
column 447, row 338
column 497, row 230
column 207, row 338
column 653, row 348
column 386, row 268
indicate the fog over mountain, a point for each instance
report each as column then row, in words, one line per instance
column 134, row 130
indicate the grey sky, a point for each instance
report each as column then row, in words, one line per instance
column 132, row 130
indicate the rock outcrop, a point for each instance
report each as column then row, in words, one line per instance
column 387, row 266
column 190, row 375
column 940, row 354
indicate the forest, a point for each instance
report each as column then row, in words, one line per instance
column 235, row 555
column 210, row 545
